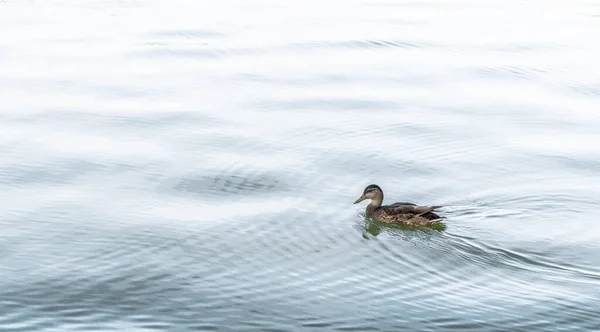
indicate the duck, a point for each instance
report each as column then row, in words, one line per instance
column 397, row 213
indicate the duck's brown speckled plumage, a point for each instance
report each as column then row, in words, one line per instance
column 402, row 212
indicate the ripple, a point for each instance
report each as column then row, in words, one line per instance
column 241, row 182
column 60, row 171
column 359, row 44
column 511, row 72
column 587, row 89
column 186, row 33
column 329, row 104
column 206, row 51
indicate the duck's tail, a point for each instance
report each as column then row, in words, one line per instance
column 427, row 212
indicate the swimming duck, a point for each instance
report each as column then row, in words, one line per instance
column 402, row 212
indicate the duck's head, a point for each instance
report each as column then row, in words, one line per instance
column 372, row 192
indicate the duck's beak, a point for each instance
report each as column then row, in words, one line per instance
column 360, row 199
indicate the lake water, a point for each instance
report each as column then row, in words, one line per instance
column 191, row 165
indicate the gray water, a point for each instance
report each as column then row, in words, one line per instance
column 191, row 165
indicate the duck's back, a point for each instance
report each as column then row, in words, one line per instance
column 410, row 208
column 406, row 213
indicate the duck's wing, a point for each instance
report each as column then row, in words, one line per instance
column 403, row 203
column 410, row 208
column 399, row 208
column 405, row 207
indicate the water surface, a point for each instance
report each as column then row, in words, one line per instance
column 191, row 166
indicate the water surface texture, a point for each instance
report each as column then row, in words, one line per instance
column 191, row 165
